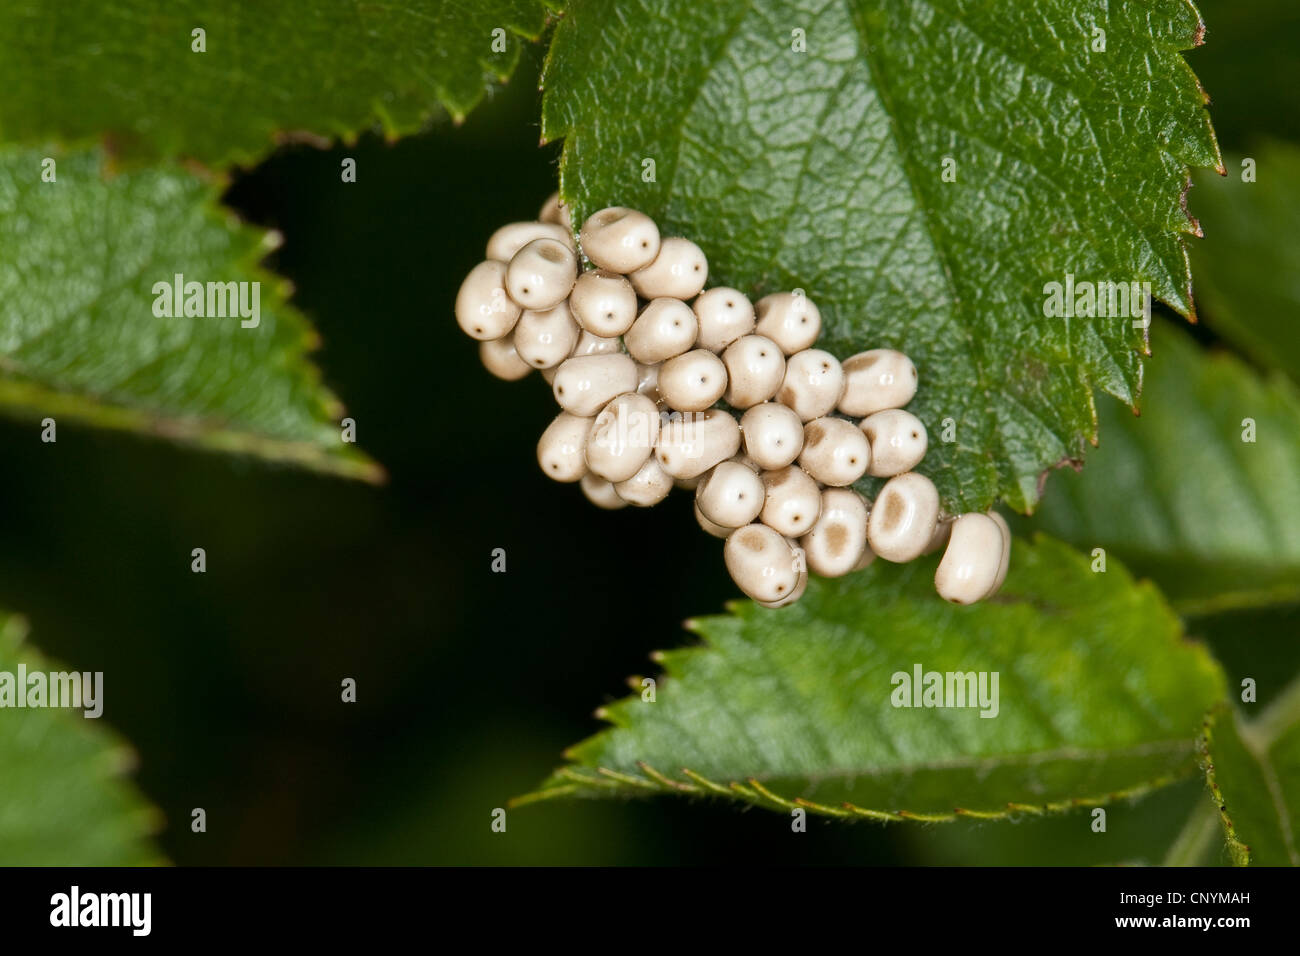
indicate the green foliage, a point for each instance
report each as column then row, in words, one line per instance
column 922, row 170
column 78, row 69
column 1247, row 266
column 1100, row 696
column 79, row 338
column 824, row 170
column 1180, row 496
column 1253, row 768
column 63, row 798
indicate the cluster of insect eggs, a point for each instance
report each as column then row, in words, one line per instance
column 662, row 383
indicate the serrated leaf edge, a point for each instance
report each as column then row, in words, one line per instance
column 571, row 781
column 28, row 398
column 329, row 130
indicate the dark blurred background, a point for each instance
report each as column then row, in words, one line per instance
column 470, row 683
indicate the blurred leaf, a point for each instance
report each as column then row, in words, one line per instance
column 1200, row 841
column 78, row 69
column 1138, row 832
column 824, row 170
column 1257, row 642
column 1254, row 772
column 1248, row 268
column 1249, row 68
column 1100, row 697
column 443, row 812
column 64, row 800
column 1179, row 496
column 79, row 338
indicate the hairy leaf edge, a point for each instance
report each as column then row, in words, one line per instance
column 573, row 780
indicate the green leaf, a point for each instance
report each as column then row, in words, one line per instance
column 1253, row 769
column 64, row 799
column 79, row 338
column 1180, row 496
column 1248, row 268
column 824, row 170
column 78, row 69
column 1100, row 696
